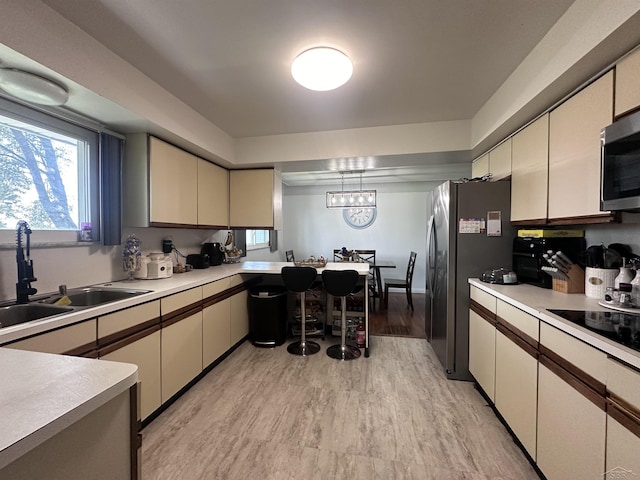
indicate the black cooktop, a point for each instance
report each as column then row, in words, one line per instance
column 623, row 328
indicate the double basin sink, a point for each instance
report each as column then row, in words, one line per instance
column 77, row 298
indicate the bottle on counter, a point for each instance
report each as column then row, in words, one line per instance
column 635, row 289
column 625, row 276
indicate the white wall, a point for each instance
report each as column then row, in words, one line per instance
column 400, row 227
column 79, row 266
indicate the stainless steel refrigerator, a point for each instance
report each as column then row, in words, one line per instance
column 460, row 246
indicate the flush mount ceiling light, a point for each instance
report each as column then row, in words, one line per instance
column 353, row 198
column 321, row 69
column 32, row 88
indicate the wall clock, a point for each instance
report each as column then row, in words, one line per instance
column 359, row 217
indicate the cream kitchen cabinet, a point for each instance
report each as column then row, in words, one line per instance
column 500, row 161
column 480, row 166
column 571, row 407
column 623, row 419
column 145, row 353
column 159, row 183
column 213, row 195
column 530, row 172
column 132, row 335
column 627, row 89
column 574, row 151
column 482, row 340
column 516, row 376
column 216, row 321
column 181, row 340
column 255, row 199
column 77, row 339
column 239, row 324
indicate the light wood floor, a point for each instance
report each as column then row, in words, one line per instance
column 265, row 414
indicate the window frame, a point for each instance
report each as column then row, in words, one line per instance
column 91, row 137
column 251, row 245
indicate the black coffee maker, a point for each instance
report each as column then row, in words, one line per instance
column 214, row 251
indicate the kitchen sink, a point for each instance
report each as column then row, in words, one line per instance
column 92, row 296
column 16, row 314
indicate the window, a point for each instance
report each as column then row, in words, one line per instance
column 257, row 239
column 49, row 175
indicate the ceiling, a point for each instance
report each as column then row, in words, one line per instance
column 414, row 61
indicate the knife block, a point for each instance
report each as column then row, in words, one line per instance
column 574, row 282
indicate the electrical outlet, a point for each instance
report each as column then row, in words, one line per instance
column 167, row 246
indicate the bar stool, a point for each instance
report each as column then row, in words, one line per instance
column 341, row 283
column 299, row 280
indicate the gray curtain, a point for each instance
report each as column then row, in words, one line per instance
column 111, row 153
column 273, row 240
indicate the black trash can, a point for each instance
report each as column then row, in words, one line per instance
column 268, row 315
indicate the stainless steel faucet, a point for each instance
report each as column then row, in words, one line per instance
column 25, row 264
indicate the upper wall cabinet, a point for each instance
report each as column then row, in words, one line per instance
column 173, row 176
column 627, row 84
column 529, row 172
column 164, row 186
column 574, row 152
column 500, row 161
column 255, row 199
column 480, row 166
column 497, row 162
column 213, row 195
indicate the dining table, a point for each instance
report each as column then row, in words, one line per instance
column 379, row 264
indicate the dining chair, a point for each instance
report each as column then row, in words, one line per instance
column 370, row 256
column 401, row 282
column 289, row 255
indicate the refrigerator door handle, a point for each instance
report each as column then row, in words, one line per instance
column 430, row 261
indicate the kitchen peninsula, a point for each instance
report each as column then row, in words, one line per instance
column 45, row 395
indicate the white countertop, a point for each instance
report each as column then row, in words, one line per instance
column 41, row 394
column 536, row 301
column 159, row 288
column 274, row 267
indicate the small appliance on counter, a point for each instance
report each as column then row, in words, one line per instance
column 198, row 260
column 154, row 266
column 215, row 253
column 528, row 256
column 500, row 276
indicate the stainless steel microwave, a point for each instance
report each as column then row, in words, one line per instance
column 620, row 165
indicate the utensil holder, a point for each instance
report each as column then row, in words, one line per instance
column 597, row 280
column 574, row 282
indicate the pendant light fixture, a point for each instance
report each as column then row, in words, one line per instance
column 322, row 69
column 32, row 88
column 351, row 198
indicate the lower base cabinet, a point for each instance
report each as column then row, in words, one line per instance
column 145, row 353
column 181, row 354
column 239, row 325
column 571, row 431
column 623, row 421
column 517, row 390
column 216, row 331
column 623, row 447
column 482, row 353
